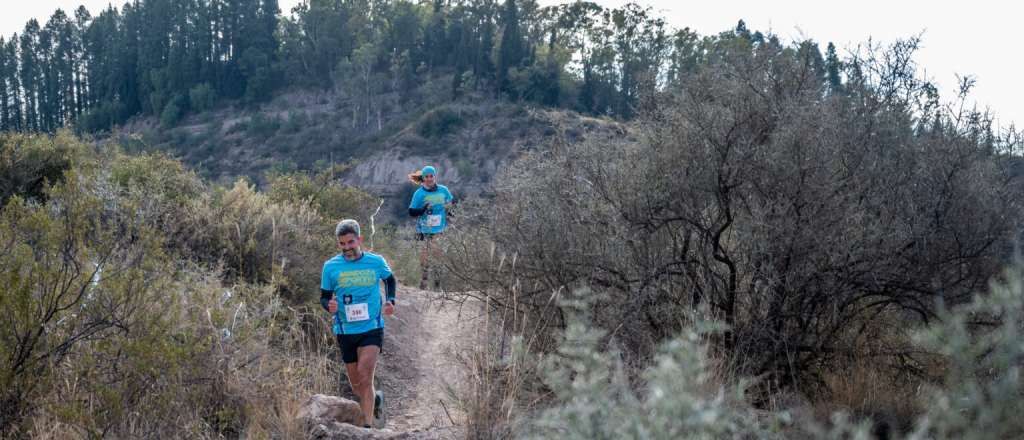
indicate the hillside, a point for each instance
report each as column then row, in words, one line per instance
column 467, row 140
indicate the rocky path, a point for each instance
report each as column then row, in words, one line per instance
column 418, row 370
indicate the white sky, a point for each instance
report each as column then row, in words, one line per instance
column 979, row 38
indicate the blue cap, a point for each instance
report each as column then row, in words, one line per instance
column 429, row 170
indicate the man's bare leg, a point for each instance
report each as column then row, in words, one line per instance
column 365, row 369
column 353, row 378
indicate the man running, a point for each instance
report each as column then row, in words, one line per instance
column 354, row 276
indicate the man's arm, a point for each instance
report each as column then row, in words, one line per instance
column 389, row 288
column 325, row 298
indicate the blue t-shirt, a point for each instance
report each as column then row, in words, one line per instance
column 357, row 285
column 434, row 220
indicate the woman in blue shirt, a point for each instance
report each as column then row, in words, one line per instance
column 430, row 205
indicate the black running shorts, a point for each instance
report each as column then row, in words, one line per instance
column 350, row 343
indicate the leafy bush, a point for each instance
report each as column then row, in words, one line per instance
column 467, row 169
column 679, row 401
column 262, row 127
column 103, row 116
column 440, row 122
column 981, row 397
column 296, row 120
column 84, row 285
column 203, row 97
column 319, row 190
column 173, row 111
column 285, row 166
column 181, row 360
column 29, row 163
column 280, row 103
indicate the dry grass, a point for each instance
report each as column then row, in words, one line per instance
column 503, row 386
column 250, row 384
column 865, row 391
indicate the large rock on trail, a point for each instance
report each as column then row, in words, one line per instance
column 331, row 407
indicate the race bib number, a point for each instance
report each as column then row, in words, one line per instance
column 433, row 220
column 356, row 312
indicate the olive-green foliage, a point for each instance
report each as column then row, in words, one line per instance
column 84, row 287
column 202, row 97
column 983, row 394
column 173, row 111
column 319, row 190
column 440, row 122
column 256, row 239
column 296, row 120
column 29, row 162
column 467, row 169
column 117, row 321
column 599, row 402
column 262, row 126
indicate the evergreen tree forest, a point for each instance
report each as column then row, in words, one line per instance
column 167, row 57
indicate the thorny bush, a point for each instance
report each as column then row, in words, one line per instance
column 795, row 214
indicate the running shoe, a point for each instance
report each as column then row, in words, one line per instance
column 380, row 417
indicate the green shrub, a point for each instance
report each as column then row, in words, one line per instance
column 332, row 201
column 280, row 103
column 203, row 97
column 29, row 163
column 597, row 400
column 173, row 111
column 321, row 165
column 239, row 126
column 262, row 127
column 103, row 116
column 467, row 169
column 283, row 166
column 296, row 120
column 440, row 122
column 80, row 276
column 981, row 397
column 213, row 128
column 179, row 136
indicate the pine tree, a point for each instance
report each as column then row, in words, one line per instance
column 5, row 118
column 832, row 68
column 483, row 67
column 14, row 84
column 82, row 18
column 511, row 45
column 29, row 73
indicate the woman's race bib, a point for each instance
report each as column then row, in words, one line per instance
column 433, row 220
column 356, row 312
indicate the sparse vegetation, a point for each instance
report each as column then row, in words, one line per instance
column 745, row 239
column 134, row 288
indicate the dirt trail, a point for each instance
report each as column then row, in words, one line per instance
column 417, row 367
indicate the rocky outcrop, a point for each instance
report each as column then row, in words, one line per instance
column 386, row 168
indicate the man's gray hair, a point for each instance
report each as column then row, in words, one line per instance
column 348, row 226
